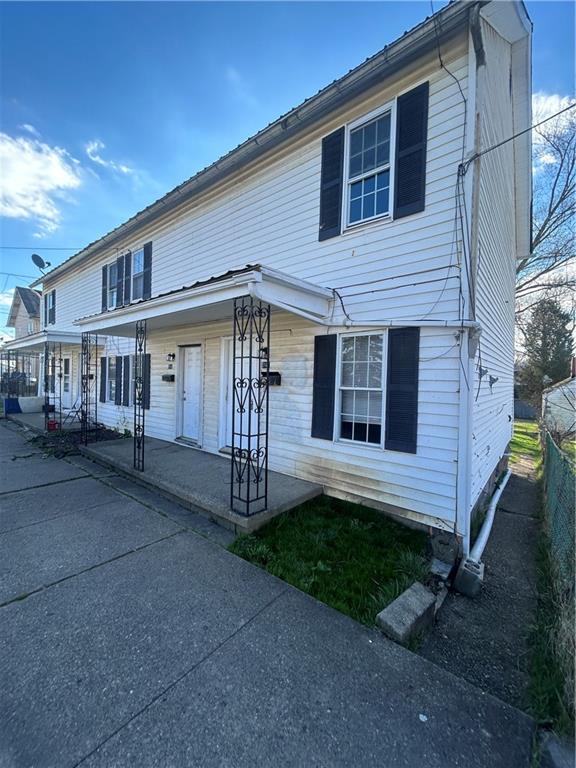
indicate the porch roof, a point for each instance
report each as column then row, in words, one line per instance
column 212, row 299
column 35, row 342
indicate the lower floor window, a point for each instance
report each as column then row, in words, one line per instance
column 112, row 379
column 361, row 388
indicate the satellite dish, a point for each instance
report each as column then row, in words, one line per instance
column 39, row 261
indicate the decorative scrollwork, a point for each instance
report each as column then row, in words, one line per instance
column 250, row 413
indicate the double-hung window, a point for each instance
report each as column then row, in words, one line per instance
column 112, row 281
column 368, row 169
column 361, row 388
column 112, row 379
column 138, row 274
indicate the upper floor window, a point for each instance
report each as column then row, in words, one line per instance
column 50, row 308
column 112, row 284
column 368, row 169
column 138, row 274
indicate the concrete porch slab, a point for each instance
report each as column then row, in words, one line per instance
column 200, row 481
column 35, row 422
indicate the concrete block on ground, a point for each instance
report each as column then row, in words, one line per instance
column 409, row 614
column 469, row 578
column 556, row 753
column 445, row 546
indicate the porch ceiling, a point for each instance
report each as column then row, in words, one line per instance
column 212, row 300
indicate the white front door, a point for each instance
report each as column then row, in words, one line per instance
column 66, row 382
column 191, row 392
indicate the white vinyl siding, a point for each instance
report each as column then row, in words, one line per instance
column 384, row 269
column 493, row 406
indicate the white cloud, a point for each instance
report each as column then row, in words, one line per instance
column 241, row 88
column 6, row 297
column 93, row 150
column 547, row 104
column 30, row 129
column 33, row 178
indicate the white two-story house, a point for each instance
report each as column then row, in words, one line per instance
column 334, row 298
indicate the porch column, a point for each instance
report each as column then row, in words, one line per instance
column 139, row 394
column 250, row 413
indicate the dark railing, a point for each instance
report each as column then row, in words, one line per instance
column 250, row 416
column 139, row 394
column 52, row 385
column 19, row 374
column 89, row 388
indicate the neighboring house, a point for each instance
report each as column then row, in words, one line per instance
column 559, row 404
column 19, row 371
column 386, row 249
column 24, row 314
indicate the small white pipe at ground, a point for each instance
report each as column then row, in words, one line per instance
column 482, row 539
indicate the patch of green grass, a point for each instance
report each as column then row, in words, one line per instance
column 345, row 555
column 548, row 679
column 525, row 441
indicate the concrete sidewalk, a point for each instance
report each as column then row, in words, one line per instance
column 129, row 639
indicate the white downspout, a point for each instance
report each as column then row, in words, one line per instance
column 482, row 540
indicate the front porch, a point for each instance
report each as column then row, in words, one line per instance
column 199, row 480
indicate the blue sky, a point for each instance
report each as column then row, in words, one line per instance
column 107, row 106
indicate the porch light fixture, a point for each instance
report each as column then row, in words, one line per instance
column 170, row 357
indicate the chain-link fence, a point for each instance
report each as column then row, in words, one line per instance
column 559, row 505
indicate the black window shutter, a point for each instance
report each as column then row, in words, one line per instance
column 52, row 319
column 120, row 281
column 102, row 379
column 331, row 184
column 127, row 277
column 45, row 309
column 126, row 380
column 402, row 389
column 104, row 288
column 411, row 136
column 323, row 388
column 118, row 392
column 146, row 382
column 147, row 274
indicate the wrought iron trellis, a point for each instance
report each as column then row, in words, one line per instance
column 89, row 387
column 139, row 394
column 250, row 412
column 52, row 385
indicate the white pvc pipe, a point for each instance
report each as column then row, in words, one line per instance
column 482, row 540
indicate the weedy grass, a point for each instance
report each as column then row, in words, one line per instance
column 348, row 556
column 525, row 441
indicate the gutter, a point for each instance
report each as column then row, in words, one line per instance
column 399, row 54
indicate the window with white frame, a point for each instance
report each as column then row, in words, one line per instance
column 361, row 384
column 112, row 280
column 138, row 274
column 112, row 379
column 368, row 169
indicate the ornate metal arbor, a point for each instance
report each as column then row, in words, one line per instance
column 89, row 388
column 52, row 385
column 250, row 412
column 140, row 394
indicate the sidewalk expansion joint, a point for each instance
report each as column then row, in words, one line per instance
column 181, row 677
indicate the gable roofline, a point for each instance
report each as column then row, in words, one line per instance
column 413, row 44
column 29, row 298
